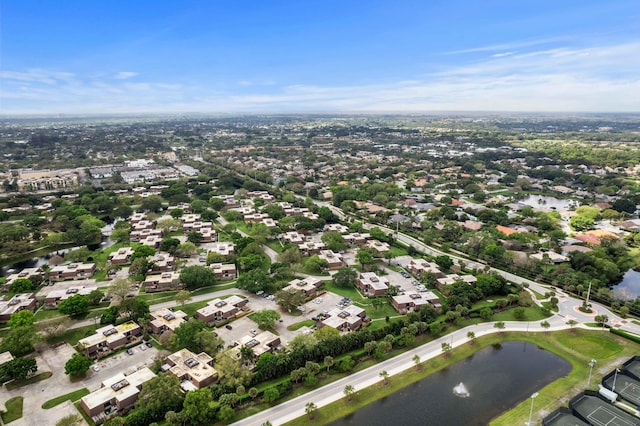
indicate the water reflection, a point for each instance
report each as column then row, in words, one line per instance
column 495, row 379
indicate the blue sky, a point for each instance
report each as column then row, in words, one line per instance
column 113, row 56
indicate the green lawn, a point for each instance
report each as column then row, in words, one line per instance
column 44, row 314
column 191, row 308
column 72, row 336
column 152, row 298
column 14, row 410
column 351, row 292
column 299, row 325
column 385, row 310
column 275, row 246
column 531, row 313
column 33, row 379
column 72, row 396
column 398, row 251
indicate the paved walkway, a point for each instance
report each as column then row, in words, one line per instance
column 332, row 392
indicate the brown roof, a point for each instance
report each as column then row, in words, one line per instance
column 506, row 230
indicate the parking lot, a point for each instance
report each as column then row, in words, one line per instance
column 120, row 363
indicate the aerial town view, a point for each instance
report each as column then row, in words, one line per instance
column 320, row 213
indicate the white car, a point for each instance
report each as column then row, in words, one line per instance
column 95, row 367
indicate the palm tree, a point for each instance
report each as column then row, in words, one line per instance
column 545, row 325
column 446, row 348
column 247, row 355
column 310, row 409
column 471, row 336
column 416, row 361
column 253, row 392
column 328, row 361
column 348, row 392
column 385, row 376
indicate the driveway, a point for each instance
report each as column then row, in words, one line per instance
column 53, row 360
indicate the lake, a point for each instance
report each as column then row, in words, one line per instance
column 495, row 379
column 629, row 287
column 540, row 202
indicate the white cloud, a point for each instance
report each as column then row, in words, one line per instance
column 599, row 78
column 123, row 75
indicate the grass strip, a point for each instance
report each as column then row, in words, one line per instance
column 72, row 396
column 33, row 379
column 14, row 410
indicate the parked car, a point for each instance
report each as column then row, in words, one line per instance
column 228, row 327
column 149, row 345
column 95, row 367
column 130, row 351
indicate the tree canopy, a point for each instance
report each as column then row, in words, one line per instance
column 197, row 276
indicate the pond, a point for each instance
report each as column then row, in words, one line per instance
column 540, row 202
column 471, row 392
column 629, row 287
column 42, row 258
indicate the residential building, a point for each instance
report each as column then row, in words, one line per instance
column 421, row 266
column 55, row 297
column 308, row 286
column 334, row 260
column 350, row 318
column 221, row 310
column 17, row 303
column 166, row 320
column 336, row 227
column 73, row 271
column 372, row 285
column 265, row 341
column 224, row 248
column 144, row 234
column 26, row 273
column 162, row 282
column 356, row 238
column 452, row 278
column 121, row 256
column 293, row 237
column 110, row 338
column 116, row 395
column 193, row 371
column 309, row 248
column 162, row 262
column 405, row 303
column 380, row 248
column 224, row 271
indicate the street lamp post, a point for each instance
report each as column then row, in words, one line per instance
column 591, row 364
column 533, row 397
